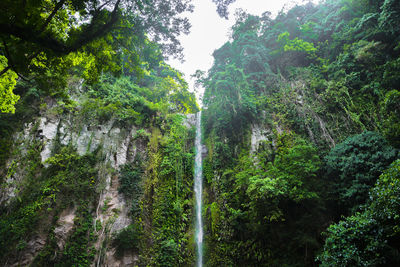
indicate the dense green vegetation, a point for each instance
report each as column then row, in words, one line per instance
column 42, row 42
column 369, row 237
column 353, row 166
column 46, row 192
column 322, row 82
column 168, row 196
column 301, row 122
column 154, row 105
column 90, row 66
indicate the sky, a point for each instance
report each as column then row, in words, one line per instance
column 209, row 32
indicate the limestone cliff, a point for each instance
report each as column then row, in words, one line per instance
column 57, row 219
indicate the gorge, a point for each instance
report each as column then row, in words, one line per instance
column 107, row 158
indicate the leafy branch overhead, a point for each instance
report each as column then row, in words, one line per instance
column 61, row 27
column 46, row 40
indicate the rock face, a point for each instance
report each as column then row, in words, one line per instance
column 33, row 247
column 119, row 149
column 112, row 212
column 64, row 226
column 258, row 135
column 118, row 146
column 190, row 120
column 47, row 131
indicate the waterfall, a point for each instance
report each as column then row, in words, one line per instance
column 198, row 189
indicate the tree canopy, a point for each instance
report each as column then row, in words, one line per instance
column 46, row 40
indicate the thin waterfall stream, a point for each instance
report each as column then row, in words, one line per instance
column 198, row 190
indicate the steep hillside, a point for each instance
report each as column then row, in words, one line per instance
column 301, row 118
column 103, row 179
column 300, row 128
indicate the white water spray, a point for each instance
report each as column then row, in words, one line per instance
column 198, row 189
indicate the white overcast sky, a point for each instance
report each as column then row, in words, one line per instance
column 209, row 31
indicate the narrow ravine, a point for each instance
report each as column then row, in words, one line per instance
column 198, row 189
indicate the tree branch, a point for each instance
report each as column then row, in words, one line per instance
column 5, row 70
column 86, row 36
column 103, row 5
column 53, row 13
column 29, row 35
column 8, row 56
column 90, row 36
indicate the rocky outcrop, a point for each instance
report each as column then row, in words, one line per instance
column 33, row 247
column 64, row 226
column 258, row 135
column 14, row 166
column 47, row 131
column 119, row 145
column 190, row 120
column 112, row 212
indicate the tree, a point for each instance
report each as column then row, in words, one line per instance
column 46, row 40
column 369, row 238
column 291, row 175
column 355, row 164
column 222, row 7
column 390, row 16
column 229, row 101
column 7, row 82
column 392, row 123
column 274, row 198
column 59, row 28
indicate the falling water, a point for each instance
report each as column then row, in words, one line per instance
column 198, row 189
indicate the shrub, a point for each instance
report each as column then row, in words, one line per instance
column 370, row 238
column 355, row 164
column 127, row 239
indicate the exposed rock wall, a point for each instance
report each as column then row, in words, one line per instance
column 118, row 148
column 118, row 145
column 259, row 134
